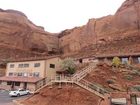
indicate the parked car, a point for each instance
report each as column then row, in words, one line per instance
column 19, row 92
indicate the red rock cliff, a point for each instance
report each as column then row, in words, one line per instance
column 122, row 28
column 20, row 37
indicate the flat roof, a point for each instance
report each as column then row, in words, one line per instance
column 21, row 79
column 108, row 55
column 33, row 58
column 118, row 55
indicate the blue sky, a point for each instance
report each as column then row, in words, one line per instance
column 58, row 15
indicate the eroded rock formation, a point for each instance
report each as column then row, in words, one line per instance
column 100, row 33
column 119, row 33
column 18, row 34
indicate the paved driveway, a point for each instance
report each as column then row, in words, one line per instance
column 5, row 99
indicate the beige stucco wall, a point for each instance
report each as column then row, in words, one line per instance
column 30, row 69
column 3, row 85
column 51, row 72
column 2, row 71
column 31, row 86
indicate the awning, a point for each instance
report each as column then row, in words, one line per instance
column 21, row 79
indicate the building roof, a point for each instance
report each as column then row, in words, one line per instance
column 118, row 55
column 21, row 79
column 34, row 58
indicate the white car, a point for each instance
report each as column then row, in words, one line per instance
column 19, row 92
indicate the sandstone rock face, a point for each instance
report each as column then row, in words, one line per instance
column 122, row 27
column 119, row 33
column 19, row 33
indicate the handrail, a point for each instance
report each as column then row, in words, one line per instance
column 47, row 82
column 93, row 86
column 82, row 73
column 83, row 83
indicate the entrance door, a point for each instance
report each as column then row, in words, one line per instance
column 25, row 85
column 80, row 61
column 12, row 85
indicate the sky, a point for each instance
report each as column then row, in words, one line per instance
column 58, row 15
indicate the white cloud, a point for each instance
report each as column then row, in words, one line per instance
column 57, row 15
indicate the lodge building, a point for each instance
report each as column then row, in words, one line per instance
column 123, row 57
column 29, row 73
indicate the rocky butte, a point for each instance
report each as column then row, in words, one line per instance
column 118, row 33
column 19, row 37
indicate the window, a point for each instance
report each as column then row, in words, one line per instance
column 37, row 65
column 36, row 74
column 15, row 74
column 10, row 74
column 139, row 59
column 26, row 65
column 17, row 83
column 25, row 74
column 9, row 83
column 12, row 65
column 124, row 60
column 52, row 65
column 30, row 74
column 20, row 65
column 20, row 74
column 23, row 65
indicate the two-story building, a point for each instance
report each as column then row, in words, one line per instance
column 29, row 73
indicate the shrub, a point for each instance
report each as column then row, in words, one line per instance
column 135, row 73
column 110, row 81
column 137, row 88
column 68, row 65
column 128, row 77
column 116, row 62
column 71, row 70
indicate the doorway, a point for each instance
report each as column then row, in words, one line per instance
column 25, row 85
column 80, row 60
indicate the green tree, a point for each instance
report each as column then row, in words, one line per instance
column 68, row 65
column 116, row 62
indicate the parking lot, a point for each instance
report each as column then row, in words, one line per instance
column 5, row 99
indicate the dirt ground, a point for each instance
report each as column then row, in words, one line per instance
column 67, row 95
column 123, row 77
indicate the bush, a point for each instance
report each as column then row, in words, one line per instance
column 116, row 62
column 110, row 81
column 68, row 65
column 71, row 70
column 128, row 77
column 137, row 88
column 135, row 73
